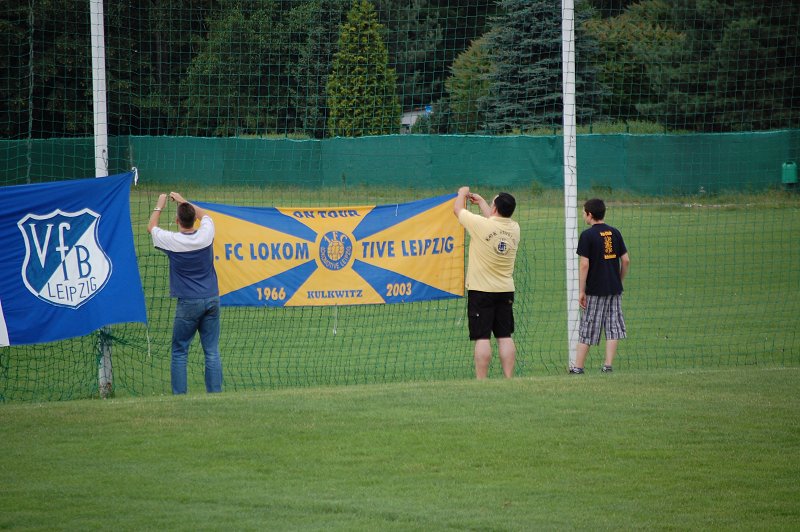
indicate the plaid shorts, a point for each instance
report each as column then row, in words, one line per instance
column 602, row 313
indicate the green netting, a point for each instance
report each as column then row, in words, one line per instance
column 688, row 114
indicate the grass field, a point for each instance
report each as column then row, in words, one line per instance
column 713, row 283
column 658, row 450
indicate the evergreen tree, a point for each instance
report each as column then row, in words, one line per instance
column 153, row 44
column 734, row 68
column 236, row 84
column 630, row 43
column 314, row 30
column 61, row 104
column 466, row 86
column 415, row 41
column 610, row 8
column 361, row 87
column 423, row 39
column 525, row 84
column 14, row 63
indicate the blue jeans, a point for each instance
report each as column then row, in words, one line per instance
column 196, row 315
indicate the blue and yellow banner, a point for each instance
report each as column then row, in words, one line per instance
column 339, row 255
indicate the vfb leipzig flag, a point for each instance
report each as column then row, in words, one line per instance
column 69, row 265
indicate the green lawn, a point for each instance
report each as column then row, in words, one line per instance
column 663, row 450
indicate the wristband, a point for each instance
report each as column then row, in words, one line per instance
column 157, row 209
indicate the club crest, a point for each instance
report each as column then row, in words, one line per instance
column 335, row 250
column 502, row 247
column 64, row 263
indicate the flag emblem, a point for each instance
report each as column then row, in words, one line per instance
column 64, row 264
column 335, row 250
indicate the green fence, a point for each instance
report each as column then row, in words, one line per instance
column 646, row 164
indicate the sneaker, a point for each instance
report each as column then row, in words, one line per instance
column 576, row 371
column 606, row 369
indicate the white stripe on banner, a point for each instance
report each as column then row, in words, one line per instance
column 3, row 329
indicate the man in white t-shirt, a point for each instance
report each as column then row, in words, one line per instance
column 193, row 281
column 494, row 239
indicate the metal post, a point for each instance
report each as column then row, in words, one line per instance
column 570, row 173
column 105, row 375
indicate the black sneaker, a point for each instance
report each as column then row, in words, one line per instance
column 606, row 369
column 576, row 371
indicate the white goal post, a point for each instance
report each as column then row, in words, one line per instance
column 570, row 173
column 105, row 379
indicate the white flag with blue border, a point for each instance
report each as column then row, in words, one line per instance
column 69, row 265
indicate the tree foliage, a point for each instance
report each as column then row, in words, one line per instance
column 423, row 39
column 361, row 86
column 61, row 69
column 524, row 48
column 313, row 29
column 468, row 85
column 719, row 65
column 232, row 87
column 14, row 58
column 230, row 67
column 155, row 42
column 735, row 67
column 629, row 44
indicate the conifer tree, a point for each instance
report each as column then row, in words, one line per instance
column 361, row 88
column 525, row 84
column 466, row 86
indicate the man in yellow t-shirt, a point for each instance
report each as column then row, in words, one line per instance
column 494, row 239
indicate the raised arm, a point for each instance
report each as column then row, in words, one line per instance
column 461, row 200
column 477, row 199
column 156, row 214
column 199, row 212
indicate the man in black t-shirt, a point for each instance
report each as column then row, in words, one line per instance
column 604, row 262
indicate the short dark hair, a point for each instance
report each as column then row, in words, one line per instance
column 186, row 215
column 596, row 208
column 505, row 204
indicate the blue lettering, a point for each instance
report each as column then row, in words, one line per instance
column 301, row 251
column 83, row 262
column 231, row 249
column 269, row 250
column 379, row 249
column 428, row 246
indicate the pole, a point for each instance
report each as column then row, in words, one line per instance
column 570, row 173
column 99, row 89
column 105, row 374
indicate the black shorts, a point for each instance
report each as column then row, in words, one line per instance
column 490, row 312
